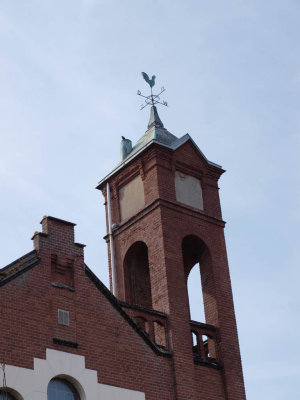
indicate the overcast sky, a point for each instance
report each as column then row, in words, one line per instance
column 69, row 72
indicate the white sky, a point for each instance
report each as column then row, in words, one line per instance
column 69, row 72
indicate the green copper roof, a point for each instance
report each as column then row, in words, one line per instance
column 156, row 133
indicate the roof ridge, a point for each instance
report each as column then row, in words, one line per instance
column 18, row 259
column 19, row 266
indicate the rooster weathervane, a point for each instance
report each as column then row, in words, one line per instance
column 152, row 99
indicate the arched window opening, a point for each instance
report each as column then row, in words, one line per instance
column 197, row 267
column 61, row 389
column 137, row 276
column 160, row 334
column 5, row 394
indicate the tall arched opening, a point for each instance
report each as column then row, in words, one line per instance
column 196, row 259
column 137, row 275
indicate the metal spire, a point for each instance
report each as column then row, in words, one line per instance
column 154, row 119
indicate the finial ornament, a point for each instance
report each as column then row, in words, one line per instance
column 152, row 99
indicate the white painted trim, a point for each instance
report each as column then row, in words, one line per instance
column 32, row 384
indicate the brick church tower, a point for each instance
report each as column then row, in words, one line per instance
column 164, row 217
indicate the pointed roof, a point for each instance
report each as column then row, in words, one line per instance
column 154, row 119
column 156, row 131
column 158, row 134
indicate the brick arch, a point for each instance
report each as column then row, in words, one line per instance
column 133, row 238
column 195, row 251
column 137, row 275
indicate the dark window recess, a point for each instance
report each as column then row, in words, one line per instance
column 137, row 275
column 65, row 343
column 62, row 286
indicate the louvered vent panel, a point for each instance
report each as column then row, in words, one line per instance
column 63, row 317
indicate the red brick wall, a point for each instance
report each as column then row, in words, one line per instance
column 162, row 225
column 110, row 345
column 29, row 303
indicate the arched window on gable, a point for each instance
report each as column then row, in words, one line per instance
column 137, row 275
column 61, row 389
